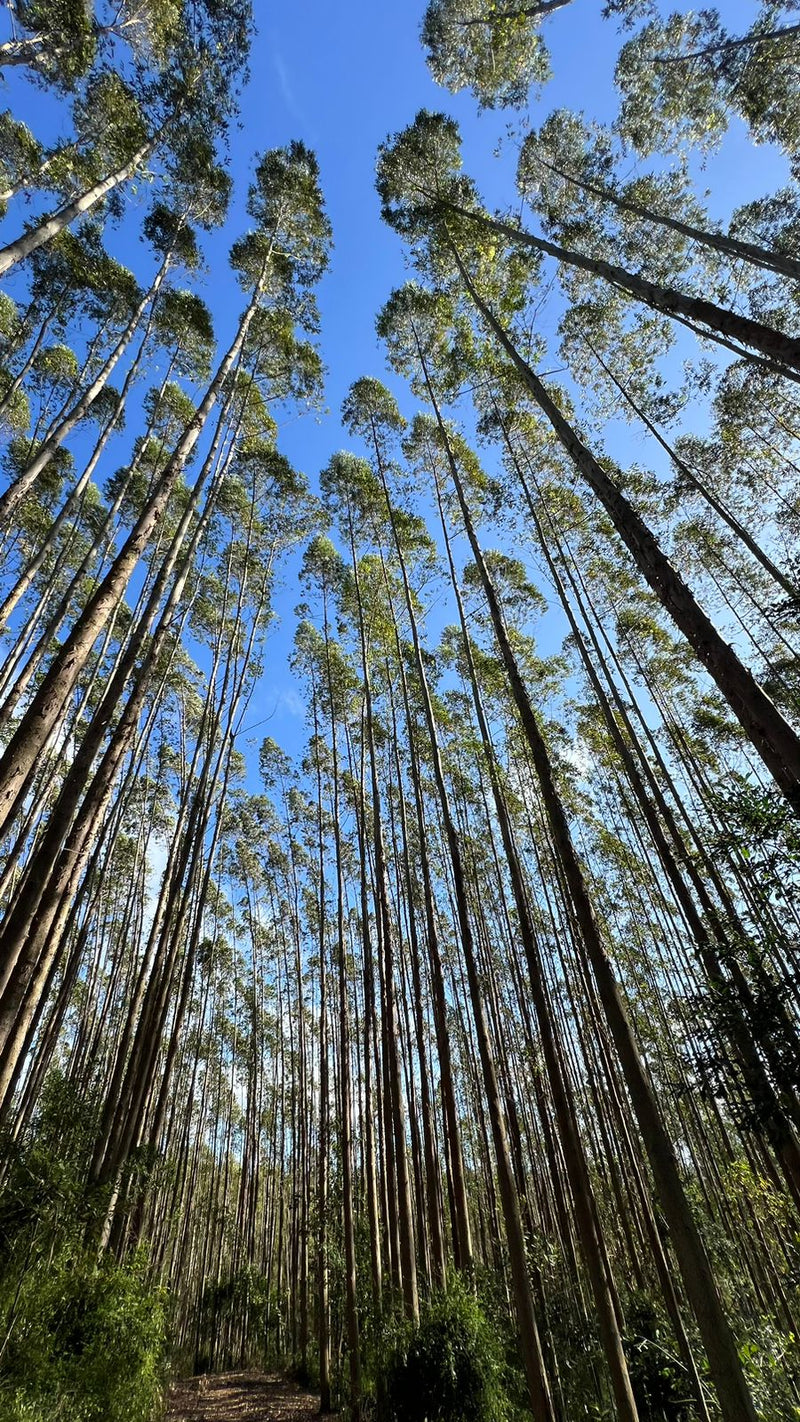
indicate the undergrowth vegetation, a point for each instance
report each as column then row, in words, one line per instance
column 84, row 1338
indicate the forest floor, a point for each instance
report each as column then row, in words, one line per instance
column 241, row 1397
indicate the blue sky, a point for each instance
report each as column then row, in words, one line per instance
column 341, row 77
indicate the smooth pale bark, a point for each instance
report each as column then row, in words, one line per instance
column 368, row 1042
column 33, row 180
column 50, row 227
column 323, row 1128
column 459, row 1202
column 592, row 1244
column 73, row 501
column 693, row 479
column 531, row 1347
column 495, row 16
column 433, row 1231
column 29, row 359
column 31, row 50
column 41, row 717
column 182, row 919
column 771, row 735
column 15, row 493
column 734, row 1396
column 29, row 934
column 462, row 1235
column 723, row 46
column 345, row 1117
column 181, row 940
column 408, row 1263
column 15, row 677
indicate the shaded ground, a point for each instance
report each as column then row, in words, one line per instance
column 241, row 1397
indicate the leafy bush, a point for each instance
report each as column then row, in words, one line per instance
column 82, row 1337
column 446, row 1369
column 86, row 1342
column 658, row 1377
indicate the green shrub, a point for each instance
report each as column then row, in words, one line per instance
column 658, row 1377
column 82, row 1337
column 87, row 1342
column 446, row 1369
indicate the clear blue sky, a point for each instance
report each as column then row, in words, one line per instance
column 341, row 76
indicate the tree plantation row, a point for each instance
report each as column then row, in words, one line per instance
column 449, row 1057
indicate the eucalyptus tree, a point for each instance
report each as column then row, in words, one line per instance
column 325, row 568
column 191, row 335
column 59, row 40
column 683, row 76
column 417, row 347
column 568, row 163
column 169, row 231
column 715, row 944
column 22, row 155
column 422, row 190
column 612, row 364
column 254, row 527
column 65, row 281
column 423, row 448
column 274, row 360
column 349, row 494
column 370, row 410
column 280, row 779
column 493, row 49
column 31, row 932
column 305, row 638
column 275, row 263
column 174, row 102
column 498, row 288
column 123, row 144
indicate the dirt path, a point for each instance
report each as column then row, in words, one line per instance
column 241, row 1397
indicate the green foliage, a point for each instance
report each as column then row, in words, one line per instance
column 758, row 824
column 492, row 48
column 242, row 1297
column 108, row 115
column 681, row 78
column 446, row 1369
column 21, row 154
column 82, row 1337
column 17, row 413
column 659, row 1380
column 86, row 1342
column 56, row 366
column 769, row 1359
column 69, row 34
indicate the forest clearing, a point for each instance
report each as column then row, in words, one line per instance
column 399, row 711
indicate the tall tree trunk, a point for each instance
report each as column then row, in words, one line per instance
column 41, row 717
column 773, row 737
column 735, row 1399
column 50, row 227
column 719, row 322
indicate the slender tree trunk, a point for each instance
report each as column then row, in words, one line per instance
column 721, row 323
column 13, row 495
column 776, row 742
column 41, row 717
column 50, row 227
column 763, row 257
column 734, row 1395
